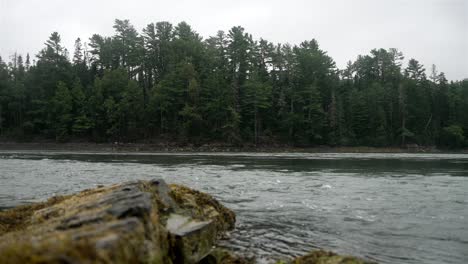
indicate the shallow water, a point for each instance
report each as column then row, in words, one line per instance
column 392, row 208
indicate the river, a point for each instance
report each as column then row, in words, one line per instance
column 391, row 208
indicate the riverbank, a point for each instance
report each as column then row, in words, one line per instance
column 173, row 147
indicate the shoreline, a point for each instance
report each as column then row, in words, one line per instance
column 164, row 148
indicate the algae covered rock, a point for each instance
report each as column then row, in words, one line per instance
column 223, row 256
column 326, row 257
column 134, row 222
column 202, row 205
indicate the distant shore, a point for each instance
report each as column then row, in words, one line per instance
column 172, row 147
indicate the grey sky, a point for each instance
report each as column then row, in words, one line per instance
column 432, row 31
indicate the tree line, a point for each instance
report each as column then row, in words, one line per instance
column 167, row 83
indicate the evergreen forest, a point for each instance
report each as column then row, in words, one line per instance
column 165, row 83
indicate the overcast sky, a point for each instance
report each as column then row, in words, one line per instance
column 431, row 31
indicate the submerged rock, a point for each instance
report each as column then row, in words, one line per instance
column 133, row 222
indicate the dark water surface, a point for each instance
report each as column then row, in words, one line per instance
column 393, row 208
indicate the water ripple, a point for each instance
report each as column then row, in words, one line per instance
column 391, row 208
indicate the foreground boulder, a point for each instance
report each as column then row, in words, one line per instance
column 135, row 222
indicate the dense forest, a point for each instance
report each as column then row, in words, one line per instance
column 168, row 84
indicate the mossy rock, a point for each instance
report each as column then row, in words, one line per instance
column 123, row 223
column 327, row 257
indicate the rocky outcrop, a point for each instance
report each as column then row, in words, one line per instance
column 134, row 222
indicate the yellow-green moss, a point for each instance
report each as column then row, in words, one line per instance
column 62, row 249
column 222, row 256
column 326, row 257
column 203, row 205
column 18, row 218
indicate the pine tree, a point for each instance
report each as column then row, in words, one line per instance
column 62, row 111
column 81, row 121
column 257, row 101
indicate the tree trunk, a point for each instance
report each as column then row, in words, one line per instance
column 255, row 126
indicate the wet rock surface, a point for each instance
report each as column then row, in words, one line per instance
column 133, row 222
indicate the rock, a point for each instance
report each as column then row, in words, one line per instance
column 194, row 239
column 184, row 226
column 202, row 205
column 164, row 194
column 222, row 256
column 326, row 257
column 134, row 222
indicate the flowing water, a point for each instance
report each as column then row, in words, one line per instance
column 392, row 208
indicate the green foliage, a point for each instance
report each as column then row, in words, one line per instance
column 452, row 136
column 168, row 83
column 81, row 121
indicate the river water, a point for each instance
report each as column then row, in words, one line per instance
column 391, row 208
